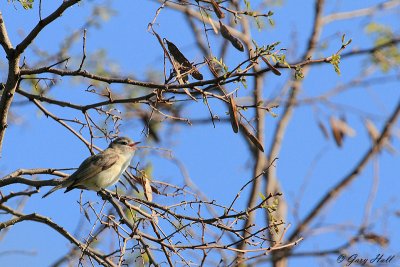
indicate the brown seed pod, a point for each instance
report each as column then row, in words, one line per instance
column 233, row 114
column 336, row 132
column 228, row 35
column 340, row 129
column 252, row 138
column 323, row 129
column 217, row 9
column 273, row 69
column 374, row 135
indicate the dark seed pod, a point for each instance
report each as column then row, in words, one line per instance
column 196, row 74
column 217, row 10
column 336, row 132
column 185, row 65
column 178, row 56
column 228, row 35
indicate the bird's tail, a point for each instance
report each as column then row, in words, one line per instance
column 53, row 190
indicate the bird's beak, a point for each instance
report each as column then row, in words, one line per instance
column 134, row 144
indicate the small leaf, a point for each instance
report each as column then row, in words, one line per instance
column 243, row 81
column 26, row 4
column 348, row 42
column 271, row 22
column 259, row 23
column 247, row 3
column 335, row 60
column 298, row 73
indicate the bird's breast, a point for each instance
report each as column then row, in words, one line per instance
column 110, row 176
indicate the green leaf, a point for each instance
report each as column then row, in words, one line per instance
column 271, row 22
column 26, row 4
column 344, row 42
column 298, row 74
column 255, row 44
column 244, row 82
column 260, row 24
column 335, row 63
column 247, row 3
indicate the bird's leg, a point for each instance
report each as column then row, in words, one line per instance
column 104, row 194
column 116, row 193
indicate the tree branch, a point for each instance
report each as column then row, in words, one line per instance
column 42, row 24
column 343, row 183
column 91, row 252
column 4, row 39
column 360, row 12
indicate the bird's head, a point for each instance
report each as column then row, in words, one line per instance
column 125, row 144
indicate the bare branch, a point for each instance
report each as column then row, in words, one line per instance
column 98, row 256
column 360, row 12
column 4, row 40
column 42, row 24
column 345, row 181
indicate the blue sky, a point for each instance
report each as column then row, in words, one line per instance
column 216, row 158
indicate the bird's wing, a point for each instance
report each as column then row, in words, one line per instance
column 92, row 166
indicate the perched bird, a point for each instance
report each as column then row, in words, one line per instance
column 102, row 170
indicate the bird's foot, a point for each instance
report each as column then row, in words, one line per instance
column 104, row 194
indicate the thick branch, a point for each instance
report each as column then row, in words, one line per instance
column 21, row 180
column 8, row 94
column 4, row 40
column 272, row 181
column 342, row 184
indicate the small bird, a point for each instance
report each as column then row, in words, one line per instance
column 102, row 170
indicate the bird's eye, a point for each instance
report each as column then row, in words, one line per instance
column 124, row 143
